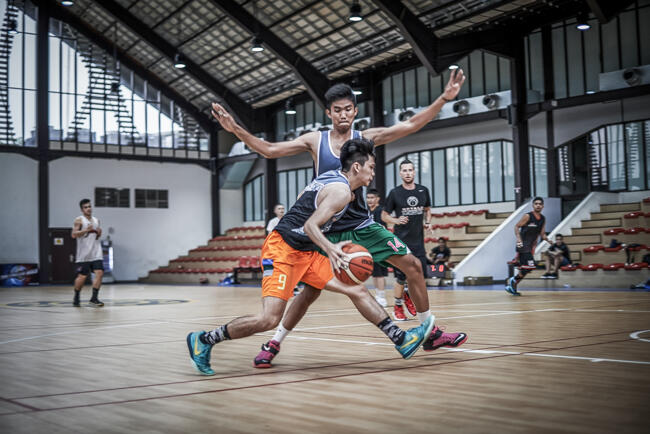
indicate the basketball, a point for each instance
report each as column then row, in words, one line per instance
column 360, row 266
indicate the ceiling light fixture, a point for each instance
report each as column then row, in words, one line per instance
column 453, row 66
column 289, row 107
column 582, row 23
column 256, row 44
column 355, row 12
column 179, row 61
column 67, row 2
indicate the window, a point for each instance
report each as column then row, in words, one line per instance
column 112, row 197
column 151, row 198
column 254, row 200
column 291, row 183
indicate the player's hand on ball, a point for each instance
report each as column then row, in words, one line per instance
column 338, row 258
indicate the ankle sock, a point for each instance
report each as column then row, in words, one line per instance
column 393, row 332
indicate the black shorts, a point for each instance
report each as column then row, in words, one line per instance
column 84, row 268
column 379, row 271
column 401, row 277
column 526, row 261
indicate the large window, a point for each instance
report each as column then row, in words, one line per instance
column 617, row 158
column 254, row 199
column 309, row 117
column 469, row 174
column 291, row 183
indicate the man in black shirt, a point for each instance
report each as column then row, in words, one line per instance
column 441, row 253
column 531, row 226
column 410, row 202
column 378, row 272
column 558, row 255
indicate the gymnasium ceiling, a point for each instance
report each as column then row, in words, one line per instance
column 308, row 43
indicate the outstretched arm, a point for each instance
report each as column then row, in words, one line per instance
column 267, row 149
column 331, row 200
column 384, row 135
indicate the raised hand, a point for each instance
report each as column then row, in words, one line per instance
column 225, row 119
column 456, row 80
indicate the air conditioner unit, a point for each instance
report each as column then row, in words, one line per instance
column 624, row 78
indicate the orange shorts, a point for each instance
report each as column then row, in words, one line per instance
column 283, row 267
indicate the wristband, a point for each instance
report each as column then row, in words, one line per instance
column 445, row 99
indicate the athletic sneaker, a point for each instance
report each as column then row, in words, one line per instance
column 552, row 276
column 95, row 302
column 511, row 286
column 409, row 304
column 199, row 353
column 269, row 351
column 414, row 337
column 398, row 313
column 546, row 276
column 381, row 300
column 439, row 338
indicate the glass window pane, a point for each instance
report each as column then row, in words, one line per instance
column 574, row 52
column 616, row 157
column 390, row 176
column 476, row 74
column 592, row 56
column 300, row 116
column 480, row 173
column 644, row 37
column 495, row 172
column 292, row 189
column 425, row 170
column 464, row 91
column 387, row 100
column 282, row 189
column 409, row 85
column 55, row 64
column 504, row 74
column 541, row 174
column 536, row 62
column 435, row 87
column 532, row 170
column 466, row 185
column 439, row 181
column 559, row 66
column 302, row 180
column 635, row 162
column 491, row 77
column 309, row 113
column 629, row 41
column 508, row 171
column 398, row 91
column 248, row 193
column 610, row 46
column 453, row 177
column 423, row 87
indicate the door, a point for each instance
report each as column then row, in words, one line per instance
column 63, row 249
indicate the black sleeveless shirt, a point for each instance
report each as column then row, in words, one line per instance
column 531, row 232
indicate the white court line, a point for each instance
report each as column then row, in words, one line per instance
column 513, row 353
column 635, row 335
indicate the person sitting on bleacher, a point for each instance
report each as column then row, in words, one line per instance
column 558, row 255
column 441, row 253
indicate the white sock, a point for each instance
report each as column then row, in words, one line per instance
column 280, row 333
column 381, row 294
column 423, row 316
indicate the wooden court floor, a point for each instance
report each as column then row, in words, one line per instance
column 566, row 361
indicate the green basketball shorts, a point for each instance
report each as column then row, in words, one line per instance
column 380, row 242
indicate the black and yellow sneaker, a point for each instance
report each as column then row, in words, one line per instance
column 95, row 302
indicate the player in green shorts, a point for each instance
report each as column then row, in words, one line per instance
column 357, row 223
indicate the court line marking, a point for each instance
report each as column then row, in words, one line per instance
column 492, row 355
column 635, row 335
column 214, row 378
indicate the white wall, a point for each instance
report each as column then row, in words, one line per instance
column 231, row 210
column 18, row 209
column 143, row 238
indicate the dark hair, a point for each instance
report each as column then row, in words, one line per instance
column 356, row 150
column 559, row 235
column 538, row 199
column 277, row 205
column 372, row 191
column 442, row 239
column 337, row 92
column 82, row 202
column 405, row 161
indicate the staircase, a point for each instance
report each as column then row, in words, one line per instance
column 7, row 136
column 595, row 263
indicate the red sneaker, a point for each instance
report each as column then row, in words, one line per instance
column 269, row 351
column 398, row 313
column 409, row 304
column 438, row 339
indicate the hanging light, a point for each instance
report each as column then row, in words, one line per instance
column 357, row 91
column 179, row 61
column 289, row 107
column 256, row 44
column 355, row 12
column 12, row 25
column 67, row 2
column 582, row 23
column 453, row 66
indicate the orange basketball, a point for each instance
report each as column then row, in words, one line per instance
column 360, row 267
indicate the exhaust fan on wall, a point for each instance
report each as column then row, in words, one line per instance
column 289, row 135
column 362, row 124
column 491, row 101
column 632, row 76
column 461, row 107
column 406, row 115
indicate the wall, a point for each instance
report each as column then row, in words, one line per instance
column 18, row 209
column 231, row 208
column 143, row 238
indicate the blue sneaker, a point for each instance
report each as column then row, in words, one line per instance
column 510, row 288
column 199, row 353
column 415, row 337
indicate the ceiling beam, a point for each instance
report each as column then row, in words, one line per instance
column 606, row 10
column 236, row 105
column 60, row 13
column 315, row 81
column 421, row 37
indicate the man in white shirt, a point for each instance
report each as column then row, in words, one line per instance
column 279, row 213
column 89, row 252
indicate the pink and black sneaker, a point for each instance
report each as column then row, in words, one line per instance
column 269, row 351
column 439, row 338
